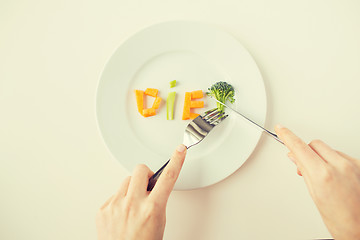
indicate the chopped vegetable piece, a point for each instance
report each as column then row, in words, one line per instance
column 196, row 104
column 186, row 111
column 222, row 91
column 197, row 94
column 194, row 115
column 156, row 103
column 172, row 83
column 170, row 106
column 149, row 112
column 151, row 92
column 140, row 100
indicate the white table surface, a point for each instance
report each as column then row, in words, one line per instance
column 55, row 169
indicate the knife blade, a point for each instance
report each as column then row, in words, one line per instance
column 254, row 123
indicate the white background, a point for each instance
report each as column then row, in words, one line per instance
column 55, row 169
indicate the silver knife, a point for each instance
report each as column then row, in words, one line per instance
column 262, row 128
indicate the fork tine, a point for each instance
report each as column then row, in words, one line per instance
column 216, row 116
column 208, row 113
column 213, row 116
column 219, row 120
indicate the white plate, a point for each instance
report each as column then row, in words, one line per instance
column 196, row 55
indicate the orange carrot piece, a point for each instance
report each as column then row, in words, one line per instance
column 196, row 104
column 151, row 92
column 197, row 94
column 194, row 115
column 140, row 100
column 149, row 112
column 156, row 103
column 186, row 111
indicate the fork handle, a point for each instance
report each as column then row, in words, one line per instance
column 153, row 179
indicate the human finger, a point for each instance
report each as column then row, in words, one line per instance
column 325, row 152
column 300, row 172
column 107, row 202
column 307, row 159
column 344, row 155
column 167, row 179
column 139, row 180
column 121, row 193
column 124, row 187
column 292, row 158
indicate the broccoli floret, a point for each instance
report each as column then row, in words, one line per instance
column 222, row 91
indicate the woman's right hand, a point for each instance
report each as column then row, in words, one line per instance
column 333, row 180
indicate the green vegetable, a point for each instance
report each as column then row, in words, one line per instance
column 223, row 92
column 172, row 83
column 170, row 106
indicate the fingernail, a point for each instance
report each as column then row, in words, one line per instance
column 181, row 148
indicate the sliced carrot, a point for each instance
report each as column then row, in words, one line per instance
column 149, row 112
column 197, row 94
column 186, row 111
column 151, row 92
column 156, row 103
column 140, row 100
column 196, row 104
column 194, row 115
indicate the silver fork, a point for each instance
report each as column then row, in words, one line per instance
column 194, row 133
